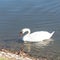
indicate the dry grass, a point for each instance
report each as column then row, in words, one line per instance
column 3, row 58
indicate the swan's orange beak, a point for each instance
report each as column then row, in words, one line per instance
column 20, row 34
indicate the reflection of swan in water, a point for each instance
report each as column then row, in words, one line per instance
column 35, row 36
column 39, row 36
column 44, row 43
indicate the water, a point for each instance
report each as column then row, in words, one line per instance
column 36, row 15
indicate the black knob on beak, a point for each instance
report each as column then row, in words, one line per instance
column 20, row 34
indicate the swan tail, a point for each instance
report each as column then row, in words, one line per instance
column 52, row 33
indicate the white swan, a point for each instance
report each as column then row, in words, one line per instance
column 35, row 36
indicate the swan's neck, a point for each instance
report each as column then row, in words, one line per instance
column 27, row 30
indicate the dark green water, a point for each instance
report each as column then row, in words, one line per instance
column 34, row 14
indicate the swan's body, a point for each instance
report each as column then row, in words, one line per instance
column 36, row 36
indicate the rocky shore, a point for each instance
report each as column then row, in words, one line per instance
column 21, row 55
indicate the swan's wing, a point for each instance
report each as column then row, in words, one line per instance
column 39, row 36
column 40, row 33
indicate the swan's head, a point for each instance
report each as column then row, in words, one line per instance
column 24, row 31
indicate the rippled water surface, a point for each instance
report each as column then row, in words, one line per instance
column 34, row 14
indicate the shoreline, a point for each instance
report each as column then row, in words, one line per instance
column 21, row 55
